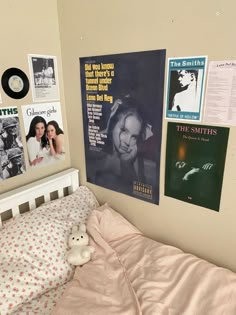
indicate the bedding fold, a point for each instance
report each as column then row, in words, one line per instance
column 100, row 286
column 131, row 274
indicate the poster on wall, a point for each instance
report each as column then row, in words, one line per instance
column 185, row 88
column 122, row 100
column 44, row 133
column 220, row 102
column 195, row 160
column 11, row 148
column 44, row 78
column 0, row 98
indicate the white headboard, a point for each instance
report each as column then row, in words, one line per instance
column 13, row 199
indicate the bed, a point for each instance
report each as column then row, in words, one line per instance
column 129, row 274
column 33, row 244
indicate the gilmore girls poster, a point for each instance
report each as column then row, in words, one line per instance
column 38, row 120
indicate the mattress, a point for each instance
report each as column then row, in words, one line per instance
column 42, row 305
column 130, row 274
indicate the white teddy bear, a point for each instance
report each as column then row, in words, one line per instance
column 80, row 252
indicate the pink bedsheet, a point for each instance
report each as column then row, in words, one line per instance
column 130, row 274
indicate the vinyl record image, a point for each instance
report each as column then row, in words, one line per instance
column 15, row 83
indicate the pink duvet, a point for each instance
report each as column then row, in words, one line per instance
column 130, row 274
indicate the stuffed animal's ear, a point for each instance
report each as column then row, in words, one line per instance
column 74, row 228
column 82, row 227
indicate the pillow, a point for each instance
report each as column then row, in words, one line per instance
column 33, row 248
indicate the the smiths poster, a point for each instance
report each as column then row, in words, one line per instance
column 122, row 97
column 195, row 160
column 185, row 87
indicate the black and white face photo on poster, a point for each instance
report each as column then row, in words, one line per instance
column 11, row 148
column 184, row 85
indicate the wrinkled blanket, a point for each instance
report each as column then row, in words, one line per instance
column 130, row 274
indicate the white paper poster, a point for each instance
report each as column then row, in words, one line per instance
column 44, row 133
column 44, row 78
column 220, row 102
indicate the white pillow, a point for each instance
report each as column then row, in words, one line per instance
column 33, row 248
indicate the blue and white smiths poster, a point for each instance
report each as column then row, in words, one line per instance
column 122, row 100
column 185, row 88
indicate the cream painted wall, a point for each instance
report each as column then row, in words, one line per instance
column 184, row 28
column 29, row 26
column 103, row 27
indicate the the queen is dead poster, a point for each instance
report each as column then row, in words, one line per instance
column 122, row 100
column 195, row 160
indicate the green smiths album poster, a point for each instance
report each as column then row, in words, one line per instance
column 195, row 160
column 122, row 100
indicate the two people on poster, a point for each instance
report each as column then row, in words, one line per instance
column 45, row 142
column 46, row 76
column 11, row 149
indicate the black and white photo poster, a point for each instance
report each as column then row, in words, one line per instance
column 11, row 148
column 185, row 88
column 122, row 100
column 44, row 78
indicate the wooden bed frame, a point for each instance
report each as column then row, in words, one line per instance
column 62, row 183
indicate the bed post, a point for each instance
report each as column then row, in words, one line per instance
column 74, row 181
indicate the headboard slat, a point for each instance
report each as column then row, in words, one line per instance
column 47, row 197
column 13, row 199
column 15, row 211
column 32, row 204
column 60, row 193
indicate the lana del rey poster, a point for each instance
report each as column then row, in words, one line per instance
column 122, row 100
